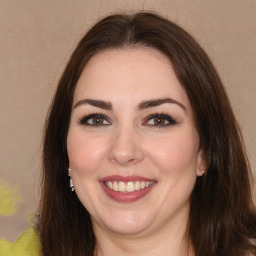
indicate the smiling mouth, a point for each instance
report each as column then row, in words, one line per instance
column 128, row 187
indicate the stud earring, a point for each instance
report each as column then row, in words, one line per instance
column 202, row 171
column 70, row 180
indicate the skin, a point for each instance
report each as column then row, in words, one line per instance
column 127, row 143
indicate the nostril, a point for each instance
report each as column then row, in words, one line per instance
column 128, row 157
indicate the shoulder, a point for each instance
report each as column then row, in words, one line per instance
column 27, row 244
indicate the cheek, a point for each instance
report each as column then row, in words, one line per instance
column 175, row 159
column 84, row 153
column 175, row 154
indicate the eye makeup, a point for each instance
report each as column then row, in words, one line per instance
column 94, row 119
column 157, row 120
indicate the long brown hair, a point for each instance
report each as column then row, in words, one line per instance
column 222, row 218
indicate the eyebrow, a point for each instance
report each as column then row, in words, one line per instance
column 157, row 102
column 97, row 103
column 143, row 105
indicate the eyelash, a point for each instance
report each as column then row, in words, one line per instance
column 84, row 120
column 164, row 117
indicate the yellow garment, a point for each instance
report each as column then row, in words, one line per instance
column 27, row 244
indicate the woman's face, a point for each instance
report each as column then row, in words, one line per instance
column 132, row 145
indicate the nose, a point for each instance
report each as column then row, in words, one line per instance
column 126, row 147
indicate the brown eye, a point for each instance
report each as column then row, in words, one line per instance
column 94, row 120
column 160, row 120
column 97, row 121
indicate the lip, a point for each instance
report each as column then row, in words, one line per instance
column 126, row 197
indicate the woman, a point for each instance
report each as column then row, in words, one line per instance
column 142, row 153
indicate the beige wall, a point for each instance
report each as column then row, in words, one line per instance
column 36, row 39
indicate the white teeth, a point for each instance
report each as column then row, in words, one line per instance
column 129, row 186
column 147, row 184
column 121, row 186
column 109, row 184
column 137, row 185
column 115, row 186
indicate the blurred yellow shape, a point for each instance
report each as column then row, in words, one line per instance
column 27, row 244
column 8, row 200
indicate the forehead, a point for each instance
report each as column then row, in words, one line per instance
column 133, row 72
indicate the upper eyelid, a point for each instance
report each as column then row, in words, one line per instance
column 154, row 109
column 92, row 115
column 161, row 115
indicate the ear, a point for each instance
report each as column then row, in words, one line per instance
column 201, row 163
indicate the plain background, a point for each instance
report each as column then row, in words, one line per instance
column 36, row 40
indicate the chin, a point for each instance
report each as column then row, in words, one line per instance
column 127, row 224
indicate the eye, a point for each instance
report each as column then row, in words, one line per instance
column 96, row 119
column 160, row 120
